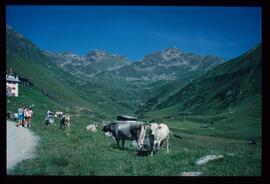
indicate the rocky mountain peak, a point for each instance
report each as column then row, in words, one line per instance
column 165, row 55
column 101, row 55
column 171, row 53
column 97, row 55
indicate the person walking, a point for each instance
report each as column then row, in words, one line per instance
column 20, row 116
column 29, row 116
column 25, row 114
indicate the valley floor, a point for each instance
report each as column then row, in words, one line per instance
column 84, row 153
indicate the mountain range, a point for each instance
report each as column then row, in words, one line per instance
column 225, row 87
column 168, row 79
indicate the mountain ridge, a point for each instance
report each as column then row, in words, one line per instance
column 224, row 87
column 167, row 54
column 133, row 83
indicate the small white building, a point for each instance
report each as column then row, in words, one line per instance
column 12, row 85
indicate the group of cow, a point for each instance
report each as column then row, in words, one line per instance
column 136, row 131
column 121, row 130
column 64, row 119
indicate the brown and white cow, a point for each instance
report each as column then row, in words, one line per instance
column 65, row 121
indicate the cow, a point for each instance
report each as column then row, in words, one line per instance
column 92, row 127
column 159, row 134
column 126, row 130
column 58, row 114
column 65, row 121
column 49, row 120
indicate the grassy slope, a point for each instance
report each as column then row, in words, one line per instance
column 243, row 122
column 161, row 92
column 64, row 89
column 85, row 153
column 219, row 90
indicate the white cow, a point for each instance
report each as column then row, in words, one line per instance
column 159, row 134
column 92, row 127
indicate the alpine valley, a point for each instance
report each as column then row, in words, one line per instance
column 185, row 90
column 102, row 77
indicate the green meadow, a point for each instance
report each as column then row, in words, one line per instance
column 85, row 153
column 215, row 111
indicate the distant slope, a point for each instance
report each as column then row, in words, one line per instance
column 144, row 79
column 224, row 87
column 64, row 88
column 19, row 45
column 67, row 90
column 116, row 80
column 162, row 92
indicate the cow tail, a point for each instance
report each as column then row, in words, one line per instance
column 177, row 136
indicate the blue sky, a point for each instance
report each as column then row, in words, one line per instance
column 135, row 31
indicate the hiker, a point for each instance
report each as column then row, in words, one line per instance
column 25, row 115
column 20, row 116
column 28, row 117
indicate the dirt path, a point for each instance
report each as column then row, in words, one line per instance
column 21, row 143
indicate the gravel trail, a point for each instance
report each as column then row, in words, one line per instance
column 21, row 143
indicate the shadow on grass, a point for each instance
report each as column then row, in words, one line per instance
column 129, row 148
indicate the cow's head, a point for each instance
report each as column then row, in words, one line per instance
column 108, row 127
column 154, row 127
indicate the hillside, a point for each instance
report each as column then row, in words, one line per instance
column 228, row 96
column 221, row 88
column 55, row 83
column 19, row 45
column 109, row 78
column 168, row 81
column 160, row 88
